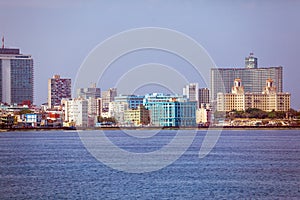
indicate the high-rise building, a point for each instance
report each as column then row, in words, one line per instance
column 16, row 76
column 203, row 96
column 58, row 89
column 253, row 78
column 108, row 96
column 191, row 91
column 251, row 61
column 91, row 92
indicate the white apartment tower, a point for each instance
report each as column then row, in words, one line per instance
column 16, row 76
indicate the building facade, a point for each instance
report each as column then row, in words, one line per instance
column 76, row 111
column 94, row 110
column 16, row 76
column 191, row 91
column 107, row 97
column 253, row 78
column 58, row 89
column 268, row 100
column 251, row 61
column 137, row 117
column 91, row 92
column 170, row 110
column 203, row 96
column 116, row 110
column 203, row 115
column 133, row 101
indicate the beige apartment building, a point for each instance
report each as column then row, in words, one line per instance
column 137, row 117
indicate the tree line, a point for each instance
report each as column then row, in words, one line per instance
column 257, row 113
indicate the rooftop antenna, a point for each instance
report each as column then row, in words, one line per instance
column 2, row 42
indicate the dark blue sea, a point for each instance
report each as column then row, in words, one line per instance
column 258, row 164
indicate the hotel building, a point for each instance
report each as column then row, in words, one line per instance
column 16, row 76
column 253, row 77
column 268, row 100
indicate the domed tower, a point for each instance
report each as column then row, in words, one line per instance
column 270, row 88
column 237, row 87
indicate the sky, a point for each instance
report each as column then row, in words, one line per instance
column 60, row 34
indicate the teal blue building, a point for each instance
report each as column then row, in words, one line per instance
column 133, row 101
column 170, row 110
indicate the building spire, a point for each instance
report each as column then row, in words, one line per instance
column 3, row 42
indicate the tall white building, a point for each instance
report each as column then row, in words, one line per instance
column 76, row 111
column 16, row 76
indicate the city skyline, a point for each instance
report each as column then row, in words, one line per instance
column 59, row 44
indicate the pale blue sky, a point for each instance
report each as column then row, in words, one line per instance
column 60, row 34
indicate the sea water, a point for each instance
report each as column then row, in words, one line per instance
column 243, row 164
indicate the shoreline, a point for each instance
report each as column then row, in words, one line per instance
column 156, row 128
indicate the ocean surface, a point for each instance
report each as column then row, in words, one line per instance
column 258, row 164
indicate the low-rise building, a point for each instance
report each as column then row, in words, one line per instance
column 137, row 117
column 32, row 119
column 6, row 120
